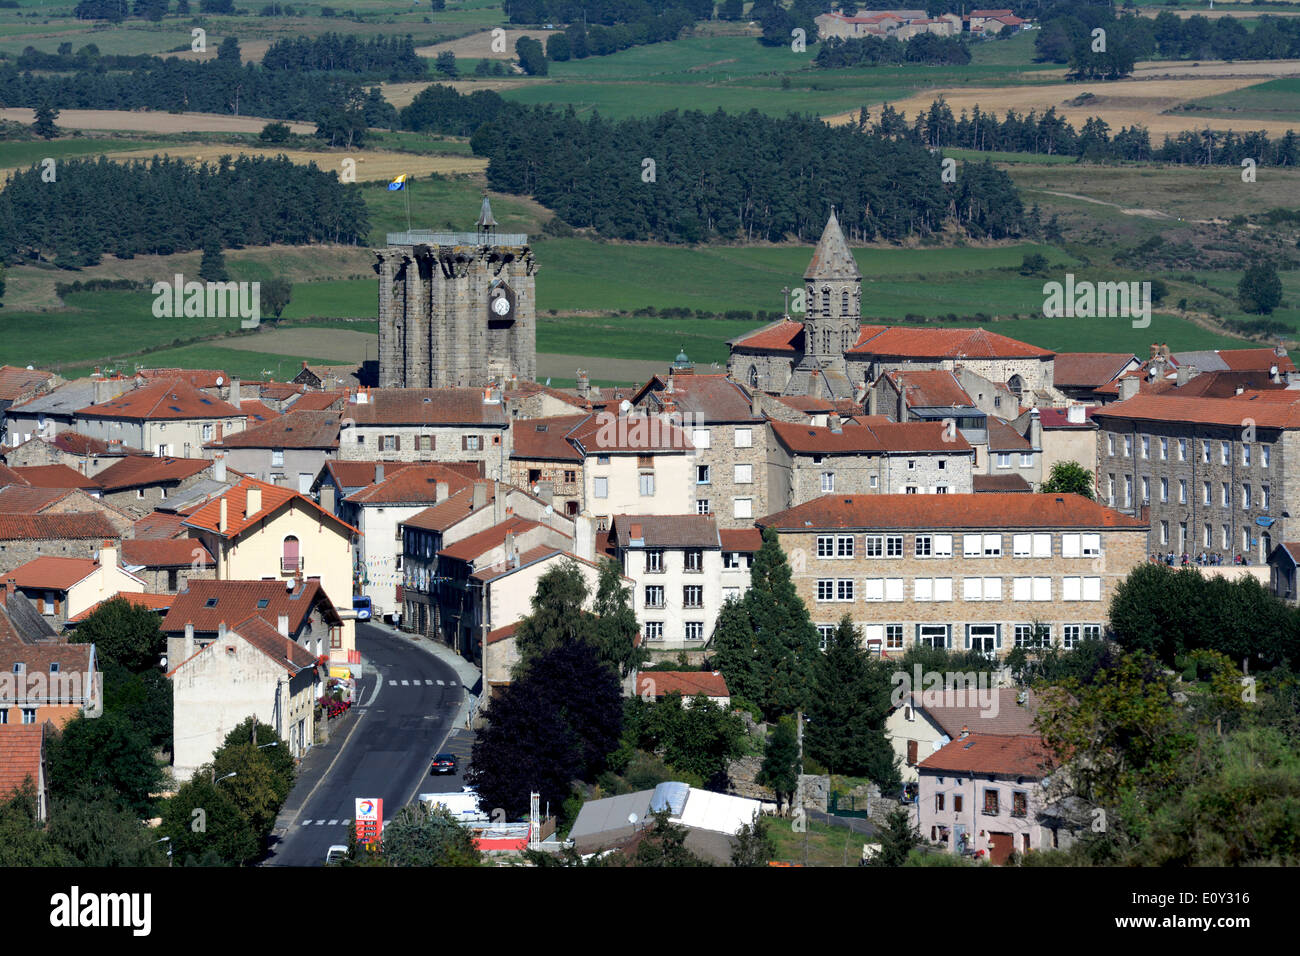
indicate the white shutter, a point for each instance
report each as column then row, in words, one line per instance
column 924, row 589
column 993, row 544
column 943, row 589
column 1092, row 544
column 943, row 546
column 1070, row 546
column 1042, row 545
column 1020, row 589
column 893, row 589
column 874, row 589
column 1071, row 589
column 972, row 589
column 1020, row 545
column 1042, row 589
column 993, row 589
column 973, row 545
column 1092, row 589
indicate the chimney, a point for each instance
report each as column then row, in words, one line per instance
column 498, row 504
column 327, row 498
column 221, row 631
column 1185, row 374
column 107, row 555
column 219, row 466
column 584, row 383
column 546, row 491
column 234, row 392
column 282, row 625
column 379, row 473
column 1035, row 430
column 479, row 499
column 440, row 492
column 10, row 587
column 1076, row 415
column 221, row 520
column 965, row 732
column 252, row 501
column 1274, row 375
column 584, row 537
column 1128, row 387
column 103, row 390
column 756, row 404
column 1240, row 389
column 1155, row 351
column 669, row 387
column 510, row 548
column 189, row 642
column 834, row 421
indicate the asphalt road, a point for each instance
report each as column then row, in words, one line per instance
column 407, row 703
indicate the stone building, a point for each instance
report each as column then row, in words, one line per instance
column 727, row 426
column 76, row 535
column 985, row 572
column 456, row 308
column 543, row 460
column 1212, row 470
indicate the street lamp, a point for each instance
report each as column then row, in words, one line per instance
column 273, row 743
column 168, row 841
column 216, row 779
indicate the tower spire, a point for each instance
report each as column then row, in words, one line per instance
column 832, row 259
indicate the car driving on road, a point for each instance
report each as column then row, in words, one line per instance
column 443, row 763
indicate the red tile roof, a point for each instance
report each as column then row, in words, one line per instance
column 17, row 383
column 467, row 549
column 456, row 508
column 279, row 391
column 164, row 552
column 937, row 388
column 1012, row 755
column 136, row 472
column 257, row 412
column 263, row 635
column 1002, row 437
column 1259, row 406
column 545, row 439
column 198, row 377
column 239, row 600
column 809, row 404
column 154, row 602
column 878, row 437
column 358, row 474
column 522, row 388
column 740, row 539
column 274, row 497
column 956, row 709
column 79, row 526
column 501, row 633
column 707, row 399
column 1240, row 360
column 320, row 401
column 907, row 342
column 294, row 429
column 1089, row 369
column 55, row 573
column 427, row 406
column 999, row 483
column 1060, row 417
column 73, row 659
column 686, row 683
column 166, row 401
column 83, row 446
column 160, row 524
column 604, row 433
column 664, row 531
column 948, row 511
column 10, row 477
column 54, row 476
column 410, row 486
column 24, row 499
column 503, row 568
column 22, row 749
column 783, row 335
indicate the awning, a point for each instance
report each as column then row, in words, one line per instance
column 1264, row 522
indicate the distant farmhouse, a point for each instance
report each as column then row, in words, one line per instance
column 905, row 24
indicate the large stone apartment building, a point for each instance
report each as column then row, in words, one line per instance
column 985, row 572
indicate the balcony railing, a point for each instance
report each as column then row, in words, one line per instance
column 290, row 565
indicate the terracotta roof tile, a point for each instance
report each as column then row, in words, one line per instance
column 925, row 343
column 198, row 377
column 234, row 601
column 24, row 499
column 686, row 683
column 936, row 388
column 51, row 572
column 664, row 531
column 294, row 429
column 1232, row 412
column 164, row 552
column 80, row 526
column 257, row 412
column 545, row 439
column 415, row 485
column 467, row 549
column 36, row 659
column 10, row 477
column 154, row 602
column 877, row 437
column 1012, row 755
column 136, row 472
column 22, row 748
column 54, row 476
column 1060, row 417
column 320, row 401
column 274, row 497
column 957, row 709
column 707, row 399
column 1002, row 437
column 456, row 508
column 740, row 539
column 83, row 446
column 17, row 383
column 949, row 511
column 1089, row 369
column 783, row 335
column 604, row 433
column 501, row 633
column 289, row 654
column 357, row 474
column 166, row 400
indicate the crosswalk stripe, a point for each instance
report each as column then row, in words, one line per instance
column 406, row 683
column 392, row 683
column 306, row 823
column 441, row 684
column 428, row 683
column 333, row 823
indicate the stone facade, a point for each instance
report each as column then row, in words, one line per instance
column 17, row 552
column 1207, row 487
column 438, row 319
column 730, row 479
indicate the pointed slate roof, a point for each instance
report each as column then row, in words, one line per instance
column 485, row 220
column 832, row 259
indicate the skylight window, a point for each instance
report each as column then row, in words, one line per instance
column 211, row 602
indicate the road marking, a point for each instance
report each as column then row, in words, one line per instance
column 406, row 683
column 306, row 823
column 428, row 683
column 334, row 823
column 391, row 683
column 441, row 684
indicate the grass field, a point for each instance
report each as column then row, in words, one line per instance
column 1275, row 100
column 820, row 845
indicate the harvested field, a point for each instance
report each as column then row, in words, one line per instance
column 250, row 51
column 1119, row 103
column 478, row 46
column 146, row 121
column 401, row 94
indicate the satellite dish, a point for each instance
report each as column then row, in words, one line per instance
column 31, row 368
column 625, row 406
column 549, row 511
column 220, row 381
column 632, row 818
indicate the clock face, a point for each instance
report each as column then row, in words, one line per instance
column 501, row 305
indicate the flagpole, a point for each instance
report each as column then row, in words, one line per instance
column 406, row 189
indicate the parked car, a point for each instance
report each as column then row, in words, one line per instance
column 443, row 763
column 336, row 854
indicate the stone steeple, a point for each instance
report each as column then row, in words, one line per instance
column 832, row 259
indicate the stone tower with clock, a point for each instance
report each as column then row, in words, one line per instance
column 456, row 309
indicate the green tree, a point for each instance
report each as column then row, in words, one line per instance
column 664, row 844
column 99, row 833
column 897, row 839
column 44, row 125
column 205, row 825
column 276, row 132
column 754, row 845
column 1033, row 264
column 766, row 644
column 781, row 764
column 123, row 633
column 420, row 836
column 271, row 746
column 446, row 64
column 212, row 268
column 1069, row 477
column 228, row 51
column 96, row 757
column 275, row 294
column 700, row 739
column 256, row 789
column 846, row 717
column 143, row 699
column 532, row 56
column 1260, row 289
column 617, row 628
column 22, row 840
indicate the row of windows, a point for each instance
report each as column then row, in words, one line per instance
column 741, row 474
column 692, row 560
column 740, row 507
column 1225, row 497
column 1207, row 536
column 744, row 438
column 29, row 715
column 889, row 637
column 1031, row 545
column 654, row 630
column 1019, row 802
column 1165, row 446
column 692, row 595
column 940, row 589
